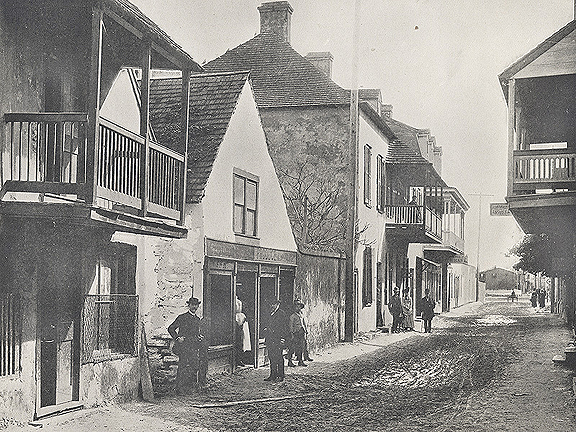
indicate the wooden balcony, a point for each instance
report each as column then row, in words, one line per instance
column 453, row 241
column 415, row 224
column 47, row 152
column 544, row 169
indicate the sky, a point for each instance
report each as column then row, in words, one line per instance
column 436, row 61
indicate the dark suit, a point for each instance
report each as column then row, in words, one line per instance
column 395, row 308
column 192, row 352
column 276, row 334
column 427, row 306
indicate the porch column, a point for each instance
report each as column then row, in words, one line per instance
column 93, row 107
column 184, row 124
column 511, row 134
column 144, row 120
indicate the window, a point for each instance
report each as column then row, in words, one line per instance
column 367, row 277
column 110, row 313
column 380, row 183
column 10, row 337
column 245, row 203
column 367, row 173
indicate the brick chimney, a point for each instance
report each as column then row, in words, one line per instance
column 386, row 110
column 322, row 61
column 275, row 18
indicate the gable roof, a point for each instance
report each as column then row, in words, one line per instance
column 280, row 76
column 213, row 99
column 528, row 58
column 407, row 149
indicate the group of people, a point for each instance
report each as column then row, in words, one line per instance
column 283, row 332
column 538, row 298
column 402, row 311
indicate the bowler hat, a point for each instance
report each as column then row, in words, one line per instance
column 193, row 301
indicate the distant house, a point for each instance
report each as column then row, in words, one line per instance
column 499, row 279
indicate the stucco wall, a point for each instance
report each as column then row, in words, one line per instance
column 109, row 381
column 320, row 285
column 310, row 150
column 244, row 147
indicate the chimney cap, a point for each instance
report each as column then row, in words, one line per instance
column 276, row 5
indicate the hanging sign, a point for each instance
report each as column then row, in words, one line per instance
column 500, row 209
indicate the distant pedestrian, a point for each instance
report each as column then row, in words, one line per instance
column 427, row 305
column 276, row 332
column 395, row 308
column 407, row 312
column 513, row 296
column 542, row 299
column 299, row 306
column 534, row 299
column 190, row 347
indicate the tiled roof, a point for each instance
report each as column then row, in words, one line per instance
column 401, row 153
column 213, row 99
column 408, row 147
column 280, row 76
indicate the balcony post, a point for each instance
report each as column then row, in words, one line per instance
column 184, row 123
column 93, row 128
column 511, row 135
column 144, row 120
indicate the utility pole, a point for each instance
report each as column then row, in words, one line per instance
column 479, row 195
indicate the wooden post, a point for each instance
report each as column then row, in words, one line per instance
column 511, row 135
column 144, row 119
column 350, row 288
column 184, row 124
column 93, row 128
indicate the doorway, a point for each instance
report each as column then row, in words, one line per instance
column 246, row 293
column 59, row 319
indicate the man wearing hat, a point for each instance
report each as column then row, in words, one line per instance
column 298, row 333
column 190, row 347
column 395, row 308
column 276, row 333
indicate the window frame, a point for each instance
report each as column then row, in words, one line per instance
column 247, row 179
column 367, row 175
column 367, row 277
column 380, row 183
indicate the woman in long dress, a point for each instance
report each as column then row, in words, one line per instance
column 408, row 320
column 242, row 334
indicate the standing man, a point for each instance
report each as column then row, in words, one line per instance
column 276, row 333
column 190, row 347
column 298, row 333
column 428, row 304
column 395, row 308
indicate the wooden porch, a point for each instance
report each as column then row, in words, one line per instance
column 47, row 153
column 418, row 223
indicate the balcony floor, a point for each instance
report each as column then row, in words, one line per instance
column 80, row 214
column 544, row 213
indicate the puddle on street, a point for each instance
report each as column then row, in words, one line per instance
column 494, row 320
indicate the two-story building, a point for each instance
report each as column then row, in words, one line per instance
column 73, row 183
column 540, row 90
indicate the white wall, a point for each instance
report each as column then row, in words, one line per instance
column 120, row 105
column 371, row 222
column 244, row 147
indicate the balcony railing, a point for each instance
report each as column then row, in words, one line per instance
column 47, row 154
column 452, row 239
column 415, row 215
column 551, row 168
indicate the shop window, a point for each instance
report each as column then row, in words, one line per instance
column 110, row 313
column 367, row 277
column 220, row 309
column 10, row 340
column 367, row 174
column 245, row 203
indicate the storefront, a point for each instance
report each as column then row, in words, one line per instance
column 252, row 276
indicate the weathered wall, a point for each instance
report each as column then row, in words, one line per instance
column 320, row 285
column 310, row 151
column 467, row 289
column 18, row 274
column 109, row 381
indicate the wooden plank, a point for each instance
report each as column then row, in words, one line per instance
column 41, row 187
column 118, row 197
column 184, row 125
column 93, row 132
column 144, row 121
column 511, row 126
column 46, row 117
column 145, row 378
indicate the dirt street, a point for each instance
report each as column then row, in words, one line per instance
column 489, row 369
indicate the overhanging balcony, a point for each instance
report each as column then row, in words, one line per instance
column 544, row 169
column 47, row 154
column 413, row 224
